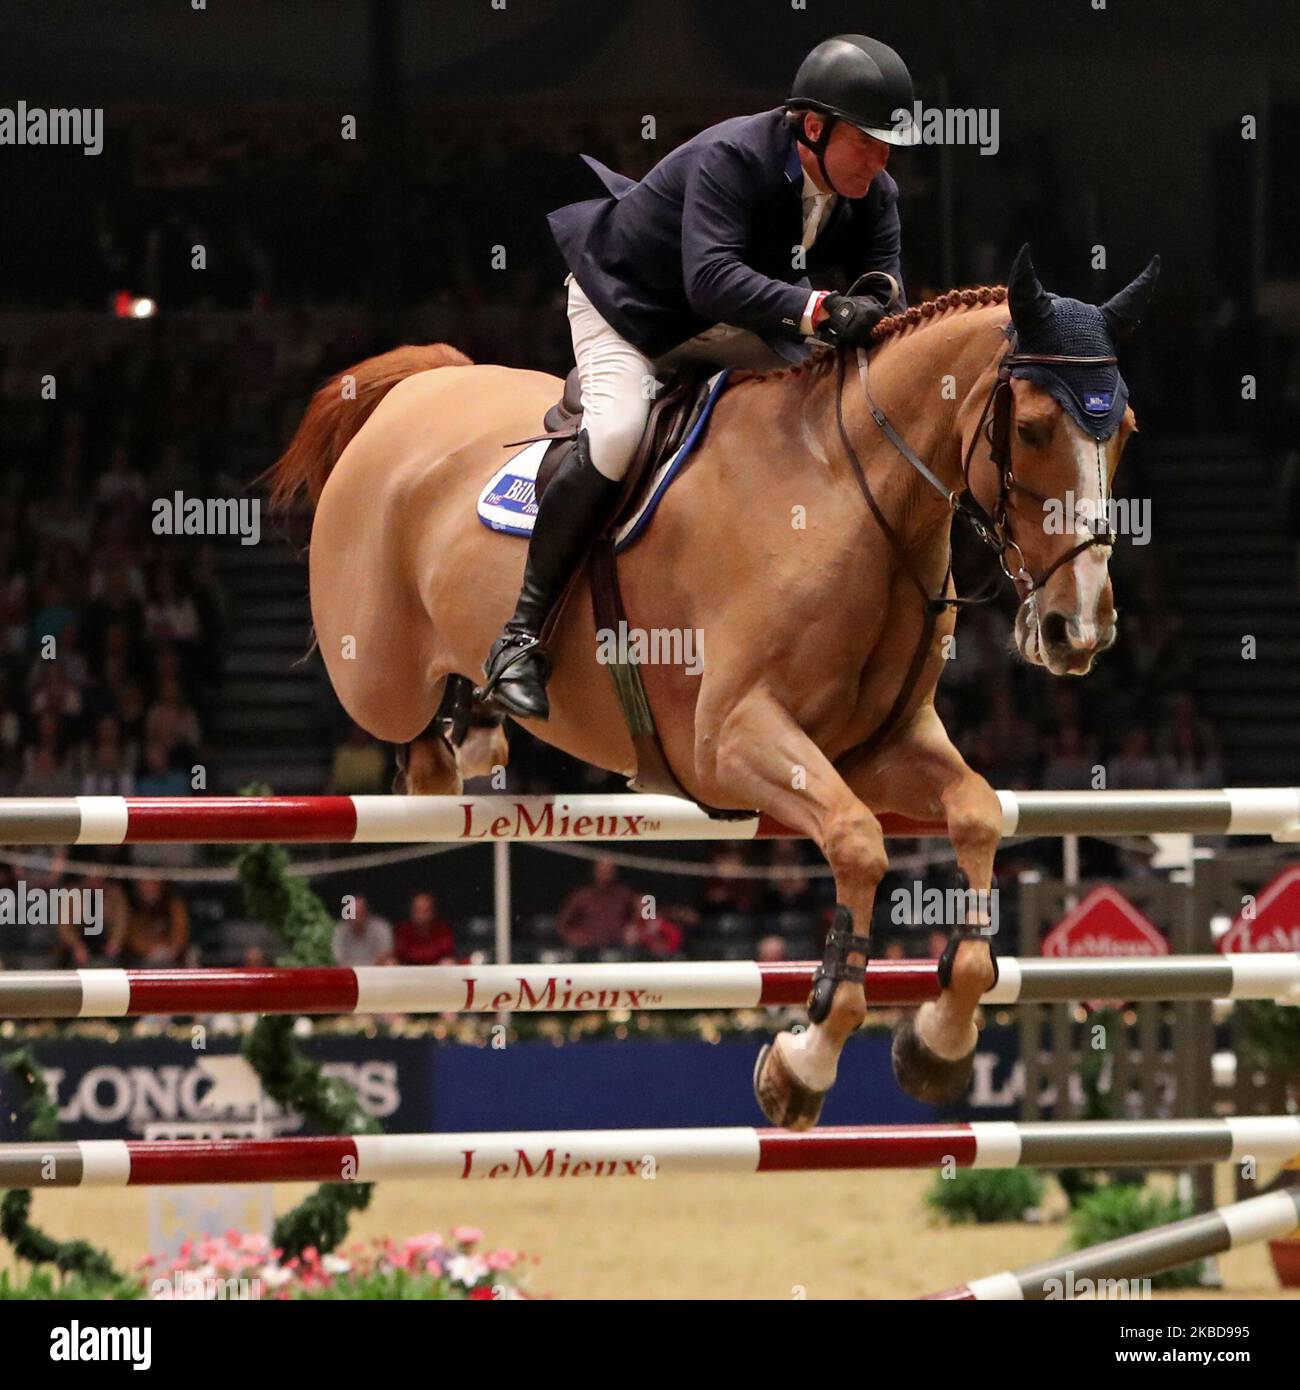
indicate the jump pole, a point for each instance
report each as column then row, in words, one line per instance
column 600, row 988
column 645, row 1153
column 1270, row 1217
column 116, row 820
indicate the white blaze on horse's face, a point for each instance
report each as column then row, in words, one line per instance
column 1066, row 625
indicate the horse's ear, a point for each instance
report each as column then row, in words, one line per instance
column 1123, row 311
column 1030, row 305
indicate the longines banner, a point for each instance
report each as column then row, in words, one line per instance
column 118, row 1090
column 114, row 1090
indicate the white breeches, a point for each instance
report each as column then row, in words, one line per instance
column 618, row 380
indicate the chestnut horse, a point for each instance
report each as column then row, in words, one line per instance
column 766, row 548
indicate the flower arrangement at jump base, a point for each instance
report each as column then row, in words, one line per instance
column 247, row 1267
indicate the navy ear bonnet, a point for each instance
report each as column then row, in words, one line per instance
column 1095, row 397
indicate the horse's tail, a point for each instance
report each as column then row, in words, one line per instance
column 339, row 409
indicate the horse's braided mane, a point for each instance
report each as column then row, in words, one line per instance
column 917, row 315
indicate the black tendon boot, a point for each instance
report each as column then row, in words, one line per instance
column 577, row 499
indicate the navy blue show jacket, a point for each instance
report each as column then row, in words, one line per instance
column 709, row 236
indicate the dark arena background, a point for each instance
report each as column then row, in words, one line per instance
column 213, row 207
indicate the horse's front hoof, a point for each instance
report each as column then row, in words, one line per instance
column 781, row 1096
column 922, row 1073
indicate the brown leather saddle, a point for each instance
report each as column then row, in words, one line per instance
column 673, row 413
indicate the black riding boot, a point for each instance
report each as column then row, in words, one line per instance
column 577, row 499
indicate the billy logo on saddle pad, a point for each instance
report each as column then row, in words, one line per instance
column 509, row 501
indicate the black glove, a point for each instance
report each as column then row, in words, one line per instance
column 849, row 319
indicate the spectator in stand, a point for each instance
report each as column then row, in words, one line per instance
column 210, row 602
column 171, row 722
column 170, row 614
column 654, row 938
column 724, row 892
column 54, row 611
column 1135, row 767
column 424, row 938
column 157, row 929
column 11, row 740
column 79, row 949
column 108, row 771
column 362, row 938
column 64, row 518
column 360, row 765
column 53, row 694
column 117, row 555
column 122, row 484
column 47, row 769
column 15, row 620
column 116, row 607
column 1188, row 747
column 131, row 715
column 159, row 777
column 1070, row 764
column 598, row 916
column 789, row 889
column 772, row 947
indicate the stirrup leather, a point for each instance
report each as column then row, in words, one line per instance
column 840, row 944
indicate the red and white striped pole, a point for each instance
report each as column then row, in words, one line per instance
column 648, row 1152
column 116, row 820
column 600, row 988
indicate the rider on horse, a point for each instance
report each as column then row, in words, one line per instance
column 704, row 260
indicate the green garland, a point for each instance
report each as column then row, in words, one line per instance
column 288, row 1076
column 41, row 1124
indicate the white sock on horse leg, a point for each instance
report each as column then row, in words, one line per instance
column 812, row 1056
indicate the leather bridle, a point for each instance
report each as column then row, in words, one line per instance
column 991, row 525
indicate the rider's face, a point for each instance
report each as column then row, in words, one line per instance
column 853, row 158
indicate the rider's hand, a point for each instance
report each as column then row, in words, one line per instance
column 849, row 319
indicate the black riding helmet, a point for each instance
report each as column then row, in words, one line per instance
column 856, row 79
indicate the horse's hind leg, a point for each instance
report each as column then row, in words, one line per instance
column 427, row 766
column 463, row 739
column 761, row 757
